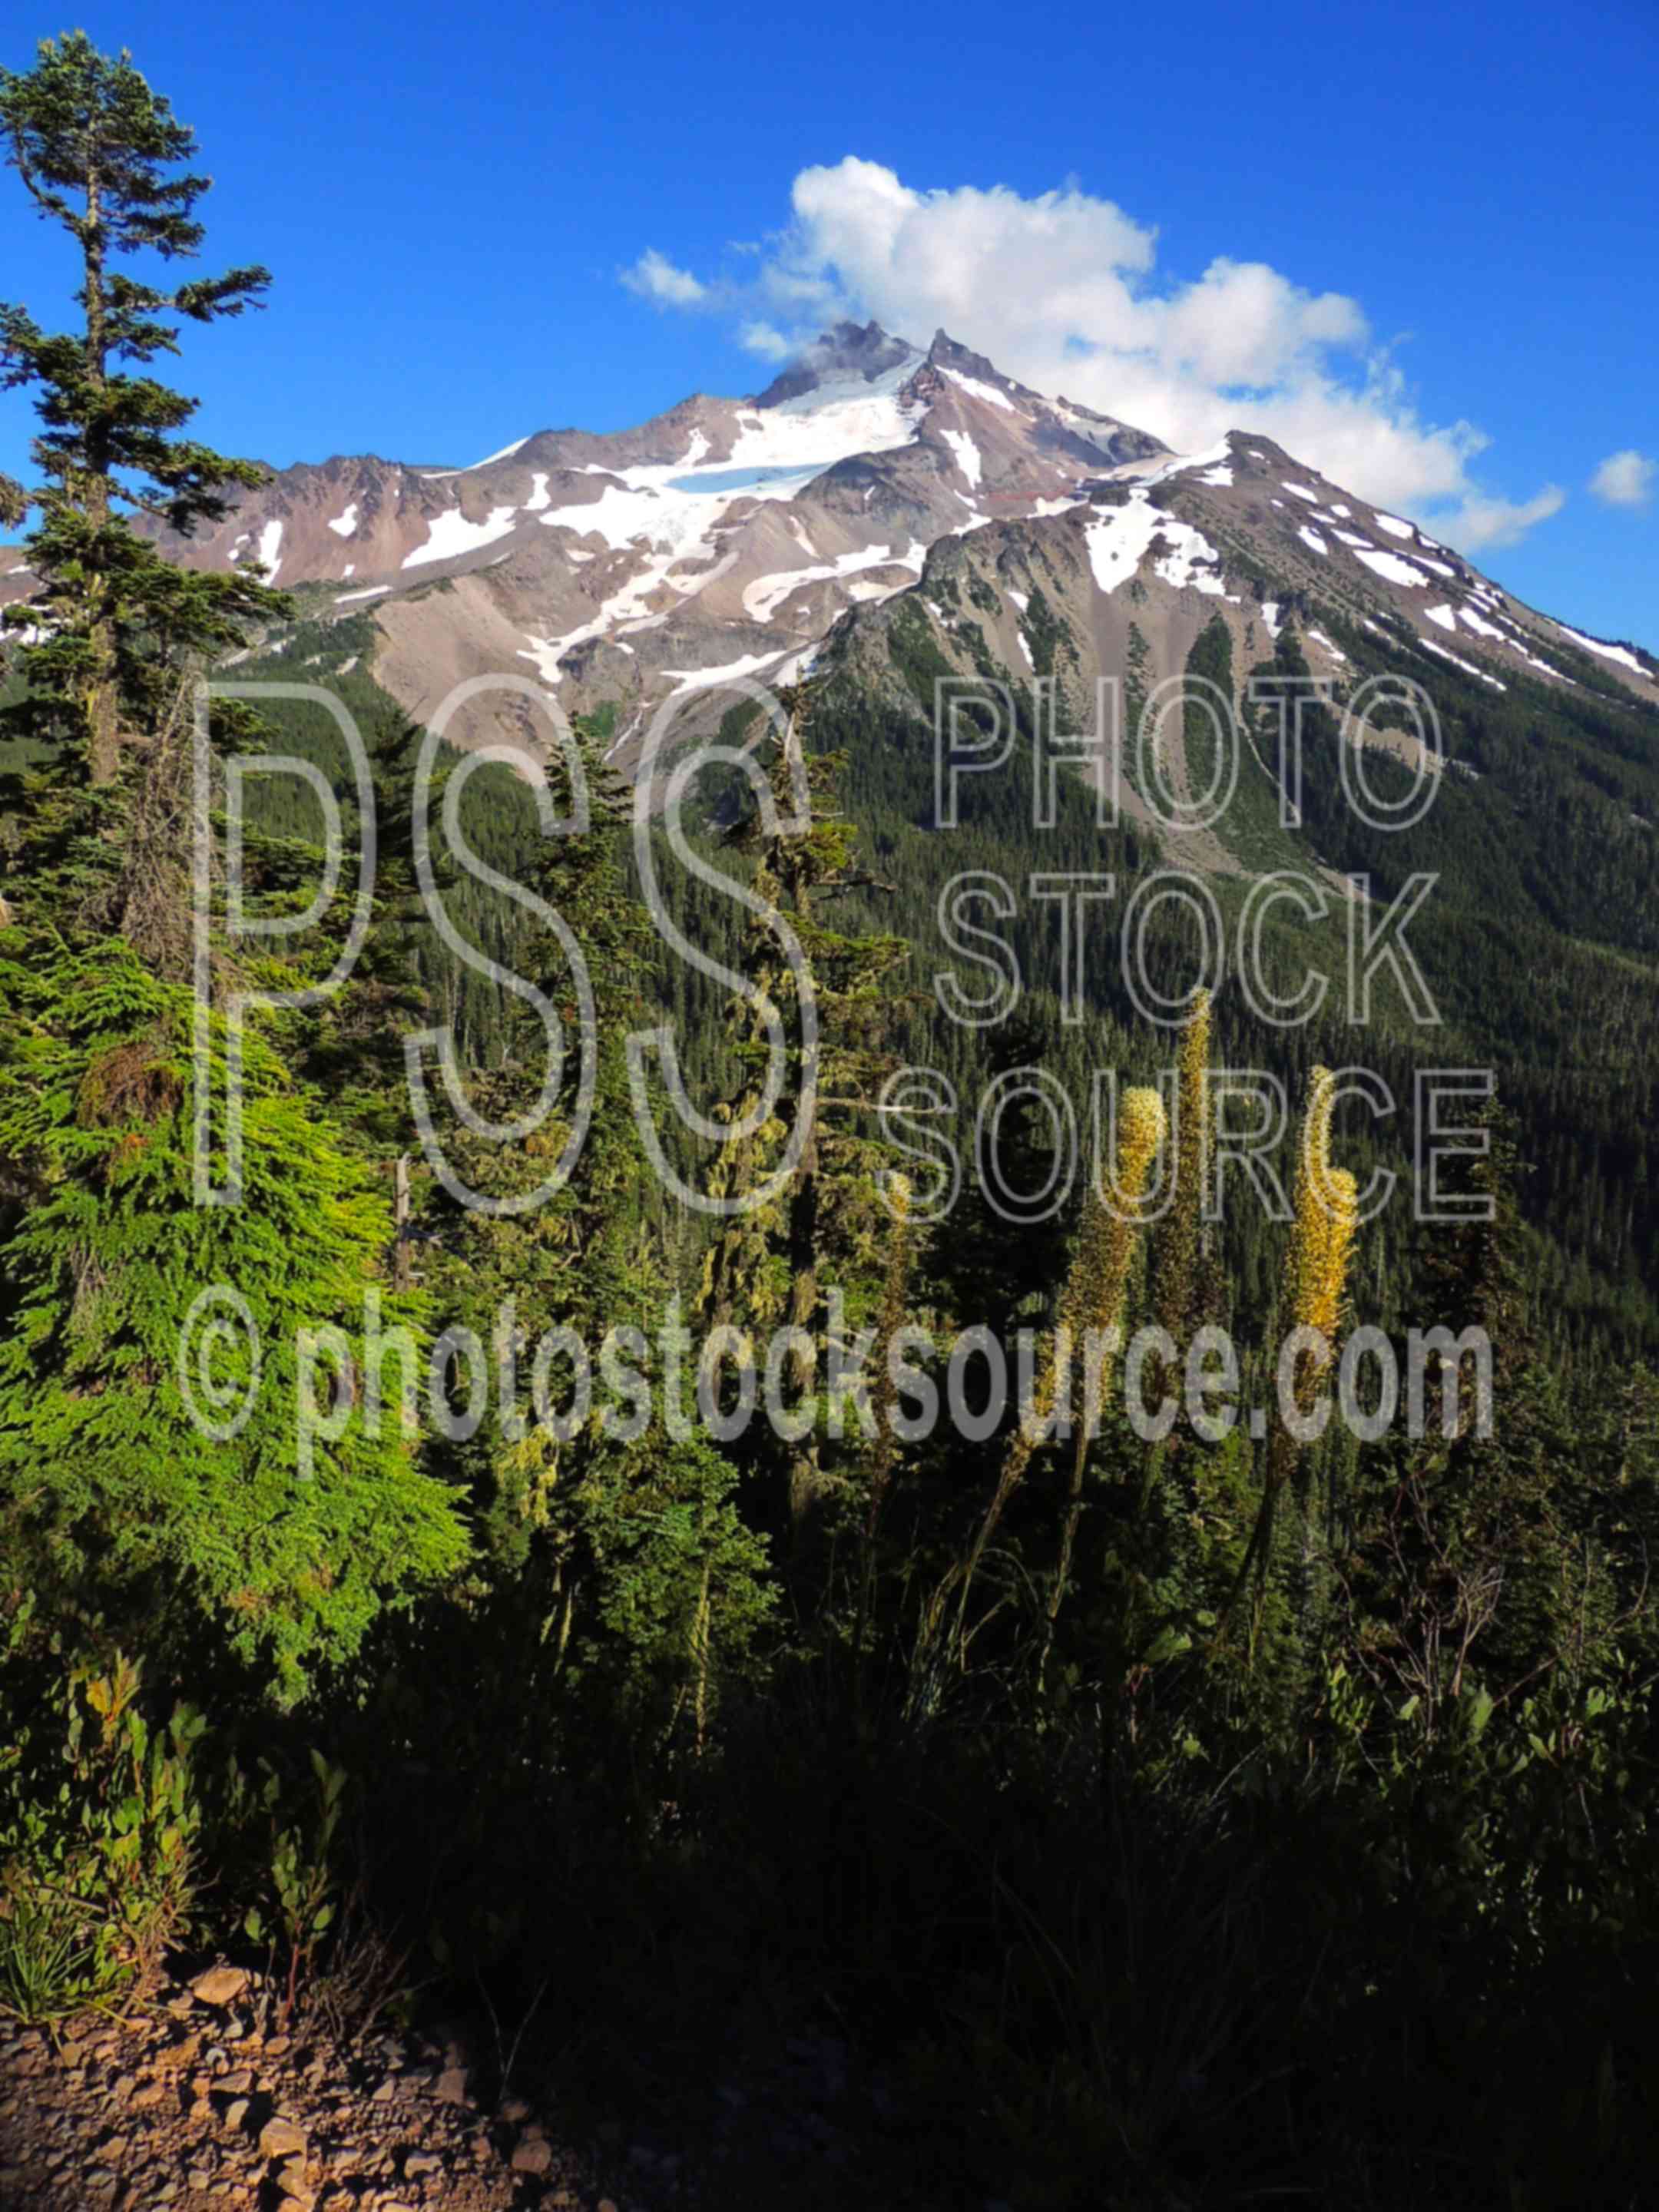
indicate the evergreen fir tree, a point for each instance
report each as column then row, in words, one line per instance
column 134, row 1500
column 128, row 1505
column 103, row 157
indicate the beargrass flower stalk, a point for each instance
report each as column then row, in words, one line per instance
column 1143, row 1131
column 1324, row 1234
column 1326, row 1217
column 1329, row 1239
column 1178, row 1240
column 1091, row 1306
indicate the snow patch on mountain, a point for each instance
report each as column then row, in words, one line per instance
column 763, row 596
column 1608, row 652
column 967, row 454
column 1516, row 646
column 1394, row 570
column 452, row 534
column 676, row 508
column 545, row 652
column 1215, row 458
column 1457, row 661
column 623, row 512
column 1480, row 625
column 628, row 608
column 1119, row 540
column 1189, row 561
column 798, row 666
column 503, row 453
column 834, row 421
column 345, row 525
column 702, row 679
column 976, row 389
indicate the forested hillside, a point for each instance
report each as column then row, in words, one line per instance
column 1162, row 1813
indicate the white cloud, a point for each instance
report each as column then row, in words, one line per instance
column 767, row 340
column 654, row 276
column 1482, row 520
column 1624, row 479
column 1062, row 291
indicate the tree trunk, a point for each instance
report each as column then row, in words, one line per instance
column 403, row 1273
column 102, row 705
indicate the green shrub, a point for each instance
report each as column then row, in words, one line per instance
column 299, row 1881
column 99, row 1821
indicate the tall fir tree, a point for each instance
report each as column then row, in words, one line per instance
column 103, row 157
column 128, row 1505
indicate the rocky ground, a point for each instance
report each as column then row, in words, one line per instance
column 199, row 2101
column 193, row 2104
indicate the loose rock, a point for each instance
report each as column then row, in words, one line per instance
column 219, row 1986
column 280, row 2138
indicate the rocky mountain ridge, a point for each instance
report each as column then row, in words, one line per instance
column 728, row 538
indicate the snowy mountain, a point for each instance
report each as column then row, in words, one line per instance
column 734, row 537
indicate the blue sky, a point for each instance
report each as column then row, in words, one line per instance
column 1413, row 219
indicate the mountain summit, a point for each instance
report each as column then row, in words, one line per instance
column 849, row 353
